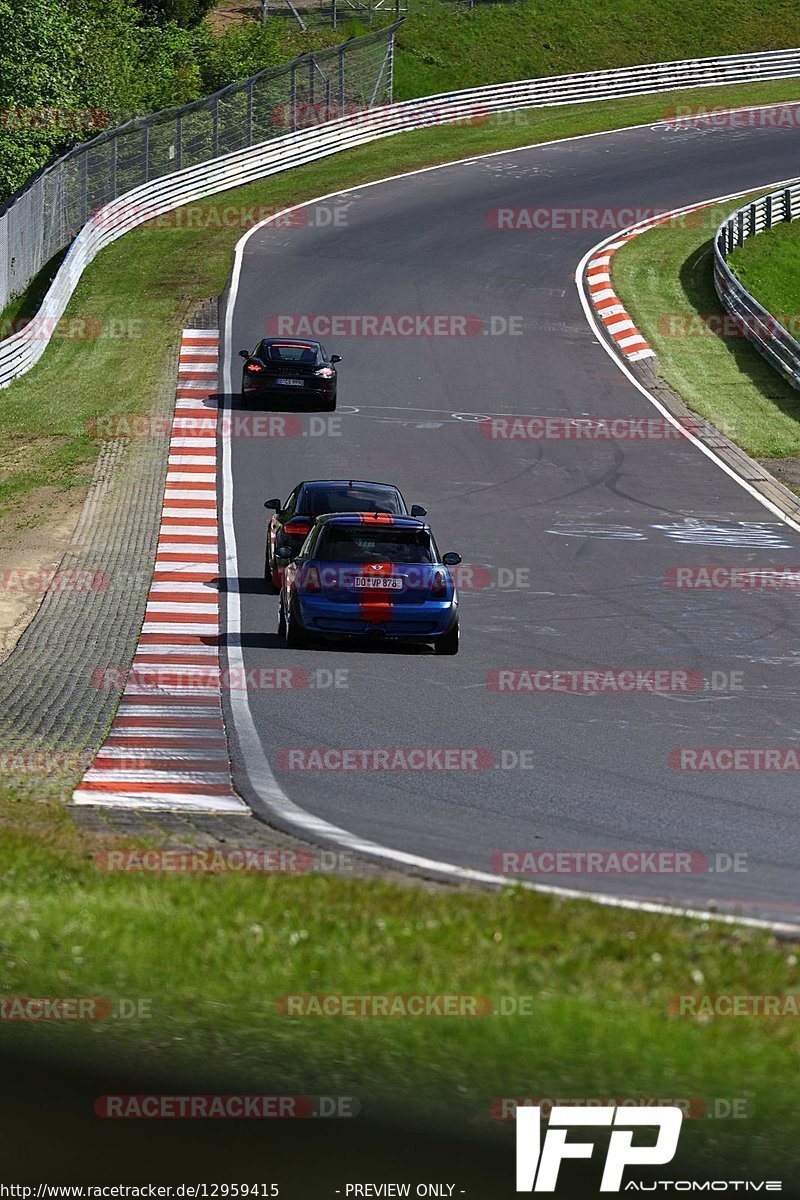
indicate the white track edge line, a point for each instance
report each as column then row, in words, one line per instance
column 255, row 762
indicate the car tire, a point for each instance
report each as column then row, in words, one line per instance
column 272, row 572
column 329, row 405
column 296, row 636
column 448, row 642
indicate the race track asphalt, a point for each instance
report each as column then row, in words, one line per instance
column 573, row 538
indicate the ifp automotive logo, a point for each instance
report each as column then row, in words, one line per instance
column 539, row 1161
column 538, row 1164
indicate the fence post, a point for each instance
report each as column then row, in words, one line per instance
column 334, row 14
column 312, row 68
column 114, row 191
column 85, row 185
column 390, row 81
column 768, row 212
column 293, row 96
column 215, row 133
column 146, row 154
column 341, row 81
column 787, row 204
column 249, row 130
column 179, row 142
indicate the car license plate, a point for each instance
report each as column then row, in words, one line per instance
column 390, row 582
column 290, row 382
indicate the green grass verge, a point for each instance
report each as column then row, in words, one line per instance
column 137, row 293
column 443, row 46
column 213, row 955
column 769, row 267
column 665, row 280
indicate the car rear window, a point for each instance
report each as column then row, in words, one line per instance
column 321, row 500
column 353, row 543
column 289, row 353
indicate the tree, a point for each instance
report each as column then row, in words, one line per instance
column 186, row 13
column 39, row 74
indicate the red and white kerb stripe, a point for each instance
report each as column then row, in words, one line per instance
column 607, row 304
column 167, row 747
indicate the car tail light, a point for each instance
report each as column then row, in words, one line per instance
column 325, row 372
column 311, row 581
column 254, row 366
column 299, row 525
column 439, row 584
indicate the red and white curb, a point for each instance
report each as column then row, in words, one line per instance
column 167, row 747
column 619, row 324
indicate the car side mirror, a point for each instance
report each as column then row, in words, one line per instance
column 334, row 358
column 418, row 511
column 451, row 559
column 244, row 354
column 275, row 505
column 284, row 553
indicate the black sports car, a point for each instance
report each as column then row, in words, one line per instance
column 292, row 521
column 291, row 367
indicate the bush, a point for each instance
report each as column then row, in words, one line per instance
column 243, row 51
column 186, row 13
column 40, row 67
column 72, row 69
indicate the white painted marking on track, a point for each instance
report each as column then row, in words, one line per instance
column 255, row 761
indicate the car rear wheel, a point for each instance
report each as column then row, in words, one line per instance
column 296, row 636
column 272, row 572
column 448, row 642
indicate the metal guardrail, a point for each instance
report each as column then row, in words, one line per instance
column 19, row 352
column 767, row 334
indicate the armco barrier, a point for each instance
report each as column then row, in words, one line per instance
column 18, row 353
column 765, row 332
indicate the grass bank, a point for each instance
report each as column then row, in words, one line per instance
column 445, row 45
column 588, row 991
column 769, row 267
